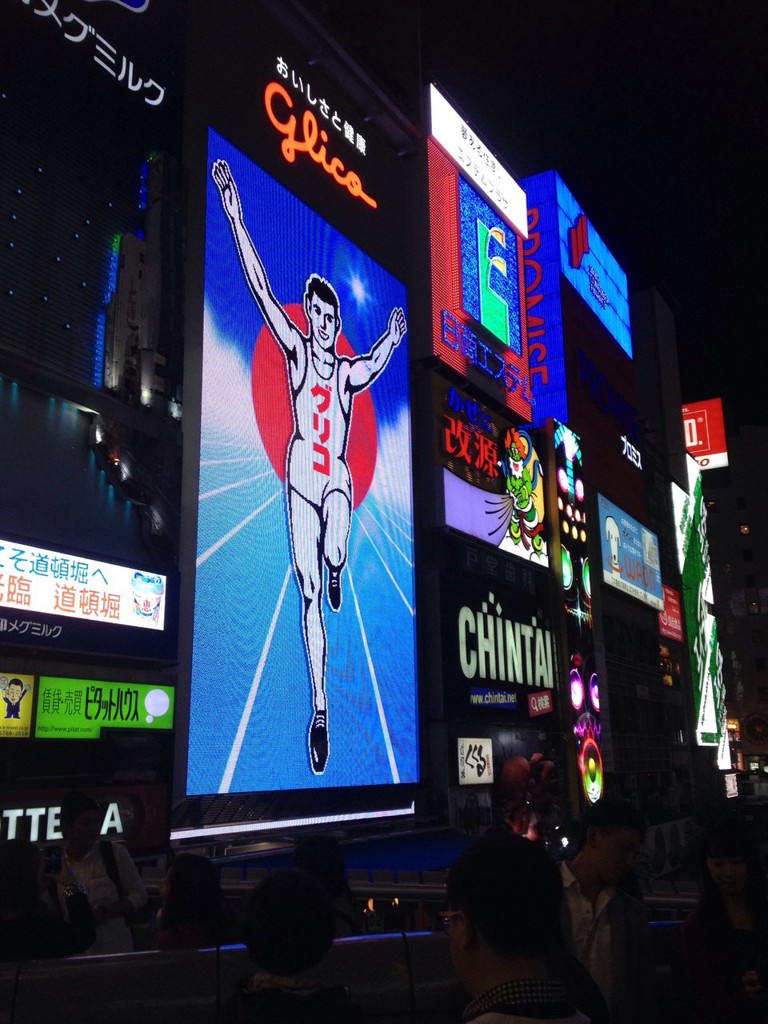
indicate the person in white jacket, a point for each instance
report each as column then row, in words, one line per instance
column 104, row 870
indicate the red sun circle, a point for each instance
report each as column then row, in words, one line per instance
column 274, row 416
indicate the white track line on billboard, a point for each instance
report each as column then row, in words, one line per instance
column 375, row 685
column 407, row 517
column 400, row 552
column 235, row 529
column 387, row 570
column 221, row 462
column 234, row 754
column 384, row 512
column 212, row 442
column 237, row 483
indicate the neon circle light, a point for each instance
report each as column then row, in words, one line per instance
column 577, row 690
column 567, row 564
column 594, row 692
column 591, row 770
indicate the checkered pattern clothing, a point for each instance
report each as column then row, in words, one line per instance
column 528, row 998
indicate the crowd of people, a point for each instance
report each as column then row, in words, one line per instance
column 529, row 939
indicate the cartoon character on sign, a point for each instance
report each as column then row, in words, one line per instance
column 14, row 691
column 613, row 536
column 522, row 470
column 318, row 482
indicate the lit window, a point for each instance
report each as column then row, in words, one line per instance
column 744, row 528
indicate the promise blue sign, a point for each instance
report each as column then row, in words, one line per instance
column 569, row 241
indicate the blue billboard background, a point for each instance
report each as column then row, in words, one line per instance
column 559, row 235
column 546, row 347
column 630, row 554
column 598, row 278
column 251, row 695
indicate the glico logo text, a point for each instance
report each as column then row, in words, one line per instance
column 311, row 141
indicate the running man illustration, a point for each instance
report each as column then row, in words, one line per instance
column 318, row 480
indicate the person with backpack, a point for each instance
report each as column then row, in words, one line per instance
column 104, row 870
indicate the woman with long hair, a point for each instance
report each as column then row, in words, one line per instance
column 726, row 939
column 192, row 914
column 322, row 857
column 30, row 926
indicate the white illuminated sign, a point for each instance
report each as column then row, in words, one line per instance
column 475, row 761
column 241, row 828
column 112, row 61
column 34, row 579
column 44, row 823
column 477, row 162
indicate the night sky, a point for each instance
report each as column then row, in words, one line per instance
column 655, row 115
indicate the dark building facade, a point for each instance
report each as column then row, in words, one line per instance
column 478, row 660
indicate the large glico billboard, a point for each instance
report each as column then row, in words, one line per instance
column 583, row 682
column 492, row 475
column 304, row 565
column 701, row 627
column 477, row 225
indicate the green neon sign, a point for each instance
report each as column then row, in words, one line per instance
column 79, row 709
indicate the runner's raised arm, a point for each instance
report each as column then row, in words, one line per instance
column 364, row 369
column 282, row 328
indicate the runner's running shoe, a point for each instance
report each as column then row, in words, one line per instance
column 318, row 742
column 334, row 588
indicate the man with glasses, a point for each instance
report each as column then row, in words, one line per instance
column 504, row 933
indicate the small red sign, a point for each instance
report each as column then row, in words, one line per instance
column 540, row 704
column 671, row 619
column 705, row 439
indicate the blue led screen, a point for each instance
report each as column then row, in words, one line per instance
column 583, row 258
column 304, row 593
column 489, row 268
column 589, row 266
column 546, row 351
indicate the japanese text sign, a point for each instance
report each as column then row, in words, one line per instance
column 465, row 148
column 475, row 761
column 34, row 579
column 493, row 478
column 81, row 708
column 671, row 616
column 630, row 555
